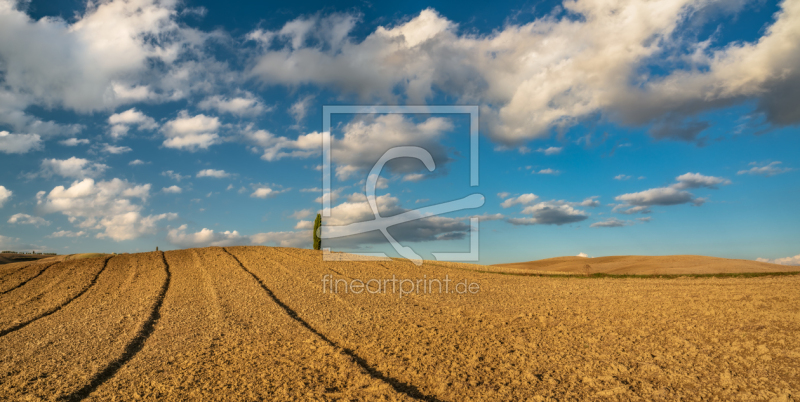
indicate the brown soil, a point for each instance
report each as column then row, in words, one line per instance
column 644, row 265
column 255, row 323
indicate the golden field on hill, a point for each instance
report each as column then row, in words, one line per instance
column 645, row 265
column 260, row 323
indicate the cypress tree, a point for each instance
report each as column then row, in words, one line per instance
column 317, row 239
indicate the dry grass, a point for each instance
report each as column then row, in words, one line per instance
column 253, row 323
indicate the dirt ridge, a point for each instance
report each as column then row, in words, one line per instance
column 52, row 310
column 36, row 275
column 399, row 386
column 134, row 346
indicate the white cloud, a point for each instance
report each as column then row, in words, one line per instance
column 73, row 142
column 306, row 225
column 116, row 150
column 582, row 255
column 246, row 105
column 768, row 170
column 5, row 195
column 588, row 202
column 696, row 180
column 553, row 71
column 657, row 196
column 172, row 190
column 137, row 162
column 610, row 223
column 283, row 239
column 357, row 209
column 174, row 176
column 25, row 219
column 365, row 140
column 116, row 52
column 524, row 199
column 550, row 150
column 299, row 109
column 218, row 174
column 73, row 168
column 19, row 143
column 547, row 171
column 783, row 261
column 622, row 177
column 675, row 194
column 121, row 122
column 550, row 213
column 412, row 177
column 109, row 206
column 67, row 233
column 303, row 213
column 191, row 132
column 503, row 194
column 486, row 217
column 333, row 195
column 204, row 238
column 262, row 192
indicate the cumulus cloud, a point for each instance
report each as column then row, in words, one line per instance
column 218, row 174
column 621, row 177
column 113, row 207
column 303, row 213
column 137, row 162
column 283, row 239
column 550, row 213
column 172, row 190
column 5, row 195
column 245, row 105
column 262, row 192
column 783, row 261
column 115, row 150
column 174, row 176
column 299, row 109
column 582, row 255
column 73, row 168
column 770, row 169
column 67, row 233
column 675, row 194
column 547, row 171
column 551, row 72
column 122, row 122
column 111, row 54
column 25, row 219
column 19, row 143
column 610, row 223
column 524, row 199
column 365, row 140
column 357, row 209
column 191, row 132
column 550, row 150
column 73, row 142
column 204, row 238
column 696, row 180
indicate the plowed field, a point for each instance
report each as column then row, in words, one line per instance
column 261, row 323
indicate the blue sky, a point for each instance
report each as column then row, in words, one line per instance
column 606, row 127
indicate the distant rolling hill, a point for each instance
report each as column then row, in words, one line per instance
column 644, row 265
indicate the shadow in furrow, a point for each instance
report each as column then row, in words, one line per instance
column 133, row 347
column 29, row 279
column 56, row 308
column 396, row 384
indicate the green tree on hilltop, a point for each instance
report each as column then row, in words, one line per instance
column 317, row 228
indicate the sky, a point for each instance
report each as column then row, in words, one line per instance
column 606, row 127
